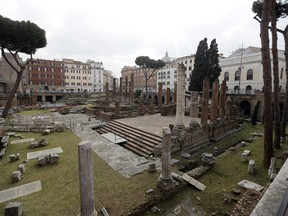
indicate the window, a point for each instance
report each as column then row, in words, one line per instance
column 38, row 68
column 168, row 83
column 190, row 68
column 226, row 76
column 250, row 74
column 52, row 69
column 237, row 75
column 248, row 89
column 175, row 76
column 52, row 77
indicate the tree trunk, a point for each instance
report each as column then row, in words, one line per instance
column 146, row 89
column 277, row 127
column 285, row 108
column 268, row 122
column 13, row 92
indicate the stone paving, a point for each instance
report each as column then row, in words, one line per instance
column 19, row 191
column 120, row 159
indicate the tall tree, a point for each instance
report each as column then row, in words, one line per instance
column 268, row 121
column 19, row 37
column 281, row 11
column 206, row 64
column 214, row 69
column 200, row 67
column 149, row 68
column 277, row 130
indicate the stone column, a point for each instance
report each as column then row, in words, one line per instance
column 86, row 179
column 214, row 103
column 180, row 106
column 120, row 87
column 107, row 91
column 205, row 99
column 165, row 181
column 132, row 87
column 151, row 107
column 126, row 86
column 175, row 92
column 168, row 96
column 114, row 87
column 160, row 96
column 117, row 108
column 222, row 99
column 194, row 104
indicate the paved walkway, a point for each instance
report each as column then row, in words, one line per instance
column 120, row 159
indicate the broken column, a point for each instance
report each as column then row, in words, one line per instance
column 205, row 99
column 194, row 104
column 86, row 180
column 175, row 92
column 165, row 181
column 214, row 102
column 132, row 87
column 168, row 96
column 114, row 87
column 120, row 87
column 160, row 96
column 107, row 91
column 126, row 86
column 117, row 108
column 180, row 106
column 222, row 111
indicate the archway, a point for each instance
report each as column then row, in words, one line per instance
column 155, row 99
column 248, row 89
column 245, row 108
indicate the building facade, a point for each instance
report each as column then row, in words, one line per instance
column 45, row 75
column 167, row 75
column 243, row 71
column 139, row 78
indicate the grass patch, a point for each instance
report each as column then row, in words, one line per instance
column 60, row 182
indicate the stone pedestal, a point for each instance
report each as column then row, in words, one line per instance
column 165, row 181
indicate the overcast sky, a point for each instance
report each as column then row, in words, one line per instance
column 117, row 31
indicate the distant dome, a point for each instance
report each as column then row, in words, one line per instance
column 167, row 59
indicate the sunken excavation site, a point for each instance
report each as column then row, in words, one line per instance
column 170, row 153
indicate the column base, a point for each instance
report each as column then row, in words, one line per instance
column 165, row 184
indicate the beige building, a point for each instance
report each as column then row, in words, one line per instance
column 243, row 70
column 78, row 76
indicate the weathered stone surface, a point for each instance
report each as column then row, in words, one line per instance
column 42, row 160
column 208, row 158
column 13, row 209
column 46, row 132
column 152, row 167
column 21, row 168
column 250, row 185
column 16, row 176
column 251, row 167
column 14, row 157
column 244, row 157
column 53, row 158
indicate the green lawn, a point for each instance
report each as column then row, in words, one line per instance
column 60, row 184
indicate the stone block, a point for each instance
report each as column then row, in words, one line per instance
column 152, row 167
column 21, row 168
column 34, row 144
column 53, row 158
column 16, row 176
column 247, row 152
column 43, row 142
column 14, row 157
column 251, row 167
column 244, row 157
column 46, row 132
column 42, row 160
column 13, row 209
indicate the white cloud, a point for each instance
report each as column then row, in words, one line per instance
column 116, row 32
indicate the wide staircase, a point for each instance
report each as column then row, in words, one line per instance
column 138, row 141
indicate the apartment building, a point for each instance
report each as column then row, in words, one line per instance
column 167, row 75
column 78, row 76
column 45, row 75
